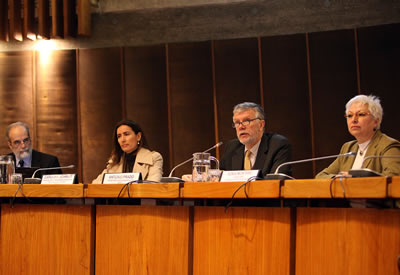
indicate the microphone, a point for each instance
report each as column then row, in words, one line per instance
column 365, row 172
column 37, row 180
column 281, row 176
column 176, row 179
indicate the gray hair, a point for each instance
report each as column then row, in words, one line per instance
column 373, row 103
column 16, row 124
column 250, row 105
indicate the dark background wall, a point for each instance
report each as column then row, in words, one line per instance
column 183, row 93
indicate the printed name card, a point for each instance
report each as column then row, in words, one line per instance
column 121, row 178
column 238, row 175
column 59, row 179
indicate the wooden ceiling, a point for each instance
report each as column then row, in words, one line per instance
column 43, row 19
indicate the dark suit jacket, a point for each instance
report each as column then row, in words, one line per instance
column 42, row 160
column 274, row 150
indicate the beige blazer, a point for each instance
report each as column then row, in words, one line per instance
column 149, row 163
column 381, row 145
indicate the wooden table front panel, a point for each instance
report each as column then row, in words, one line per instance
column 336, row 241
column 142, row 239
column 46, row 239
column 244, row 241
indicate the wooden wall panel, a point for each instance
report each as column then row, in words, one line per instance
column 3, row 20
column 236, row 79
column 347, row 241
column 99, row 84
column 191, row 101
column 286, row 97
column 16, row 92
column 334, row 82
column 56, row 111
column 379, row 51
column 146, row 95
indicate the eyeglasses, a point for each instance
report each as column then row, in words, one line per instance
column 357, row 115
column 18, row 143
column 244, row 123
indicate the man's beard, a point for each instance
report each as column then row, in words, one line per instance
column 24, row 154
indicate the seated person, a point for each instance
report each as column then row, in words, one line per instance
column 20, row 143
column 254, row 148
column 364, row 117
column 131, row 154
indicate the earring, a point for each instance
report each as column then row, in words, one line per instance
column 138, row 142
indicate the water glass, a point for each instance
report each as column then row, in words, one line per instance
column 16, row 178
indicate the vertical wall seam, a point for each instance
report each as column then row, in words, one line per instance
column 357, row 61
column 78, row 117
column 123, row 83
column 170, row 143
column 260, row 69
column 214, row 80
column 310, row 102
column 34, row 98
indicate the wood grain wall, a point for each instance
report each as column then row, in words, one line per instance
column 182, row 94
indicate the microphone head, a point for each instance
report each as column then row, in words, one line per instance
column 171, row 179
column 32, row 181
column 350, row 154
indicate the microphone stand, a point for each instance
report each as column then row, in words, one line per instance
column 176, row 179
column 365, row 172
column 280, row 176
column 34, row 180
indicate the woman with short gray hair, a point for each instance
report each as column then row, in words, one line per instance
column 364, row 116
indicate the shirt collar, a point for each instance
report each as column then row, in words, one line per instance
column 27, row 161
column 254, row 149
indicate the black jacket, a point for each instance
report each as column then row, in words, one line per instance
column 42, row 160
column 274, row 150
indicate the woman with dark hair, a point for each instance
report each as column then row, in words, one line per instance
column 131, row 154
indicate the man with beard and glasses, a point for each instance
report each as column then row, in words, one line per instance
column 24, row 156
column 254, row 148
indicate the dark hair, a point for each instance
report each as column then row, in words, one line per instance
column 117, row 152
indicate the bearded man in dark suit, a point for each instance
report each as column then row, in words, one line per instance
column 254, row 148
column 20, row 143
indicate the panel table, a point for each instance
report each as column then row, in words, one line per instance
column 46, row 239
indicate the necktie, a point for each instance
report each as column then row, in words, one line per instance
column 247, row 163
column 21, row 163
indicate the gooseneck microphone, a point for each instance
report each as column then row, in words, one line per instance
column 186, row 161
column 365, row 172
column 52, row 168
column 34, row 180
column 176, row 179
column 277, row 175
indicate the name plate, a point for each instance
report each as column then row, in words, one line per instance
column 239, row 175
column 59, row 179
column 121, row 178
